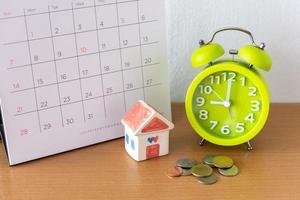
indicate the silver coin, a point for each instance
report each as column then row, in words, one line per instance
column 209, row 180
column 208, row 159
column 186, row 163
column 233, row 171
column 186, row 172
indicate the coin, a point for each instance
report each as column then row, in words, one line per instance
column 233, row 171
column 186, row 163
column 174, row 172
column 202, row 170
column 222, row 162
column 186, row 172
column 208, row 180
column 208, row 159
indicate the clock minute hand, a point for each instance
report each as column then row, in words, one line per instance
column 228, row 91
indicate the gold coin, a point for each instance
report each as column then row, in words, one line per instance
column 208, row 180
column 174, row 172
column 223, row 162
column 186, row 163
column 202, row 170
column 233, row 171
column 208, row 159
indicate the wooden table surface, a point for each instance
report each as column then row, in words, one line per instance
column 105, row 171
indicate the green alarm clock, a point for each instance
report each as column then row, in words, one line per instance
column 228, row 102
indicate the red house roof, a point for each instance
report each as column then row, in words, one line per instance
column 144, row 119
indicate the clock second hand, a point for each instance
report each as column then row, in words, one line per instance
column 223, row 104
column 230, row 113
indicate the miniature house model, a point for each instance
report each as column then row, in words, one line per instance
column 146, row 132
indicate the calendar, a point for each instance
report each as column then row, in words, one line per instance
column 71, row 69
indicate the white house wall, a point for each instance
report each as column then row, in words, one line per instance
column 163, row 142
column 133, row 153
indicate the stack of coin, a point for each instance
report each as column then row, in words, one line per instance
column 186, row 165
column 204, row 171
column 204, row 174
column 225, row 165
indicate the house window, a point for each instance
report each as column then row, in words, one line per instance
column 132, row 144
column 127, row 138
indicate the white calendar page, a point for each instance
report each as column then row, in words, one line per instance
column 71, row 69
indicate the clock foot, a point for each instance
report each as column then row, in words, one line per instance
column 201, row 141
column 249, row 146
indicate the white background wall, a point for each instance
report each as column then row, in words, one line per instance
column 275, row 22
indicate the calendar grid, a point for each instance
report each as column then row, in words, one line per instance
column 78, row 67
column 93, row 53
column 55, row 65
column 102, row 96
column 31, row 68
column 87, row 77
column 125, row 88
column 66, row 34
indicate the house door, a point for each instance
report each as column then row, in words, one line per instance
column 152, row 151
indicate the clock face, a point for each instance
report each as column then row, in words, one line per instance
column 227, row 104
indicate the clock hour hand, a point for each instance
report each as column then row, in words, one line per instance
column 217, row 103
